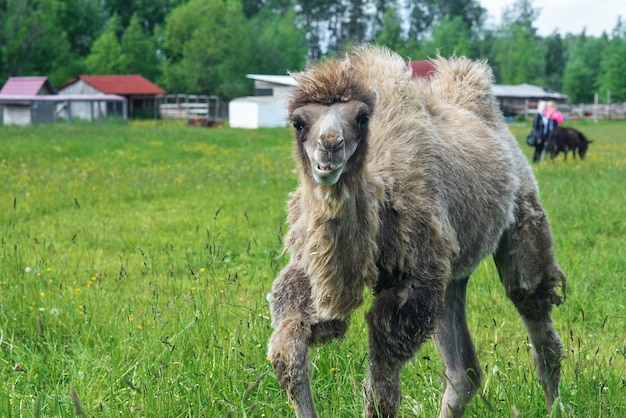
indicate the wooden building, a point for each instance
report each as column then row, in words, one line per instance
column 142, row 96
column 522, row 99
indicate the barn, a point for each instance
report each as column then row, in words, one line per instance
column 522, row 99
column 27, row 112
column 141, row 95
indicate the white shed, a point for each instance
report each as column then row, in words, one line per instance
column 258, row 112
column 17, row 114
column 26, row 112
column 273, row 85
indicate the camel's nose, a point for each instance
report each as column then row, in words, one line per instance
column 330, row 142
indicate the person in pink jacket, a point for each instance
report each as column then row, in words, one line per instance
column 552, row 118
column 551, row 112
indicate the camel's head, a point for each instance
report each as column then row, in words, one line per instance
column 329, row 135
column 330, row 112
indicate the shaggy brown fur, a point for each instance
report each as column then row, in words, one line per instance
column 405, row 187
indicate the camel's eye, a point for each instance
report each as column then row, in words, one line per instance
column 298, row 125
column 362, row 120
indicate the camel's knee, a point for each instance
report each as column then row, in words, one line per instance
column 534, row 304
column 525, row 259
column 323, row 332
column 288, row 351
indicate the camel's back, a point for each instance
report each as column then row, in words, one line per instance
column 443, row 140
column 416, row 122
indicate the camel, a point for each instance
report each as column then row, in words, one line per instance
column 405, row 186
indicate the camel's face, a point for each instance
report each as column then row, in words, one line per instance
column 329, row 135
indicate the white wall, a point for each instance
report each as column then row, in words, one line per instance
column 243, row 113
column 82, row 110
column 16, row 115
column 257, row 112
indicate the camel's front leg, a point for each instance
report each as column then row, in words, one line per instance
column 295, row 329
column 291, row 311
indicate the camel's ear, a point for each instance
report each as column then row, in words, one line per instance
column 374, row 99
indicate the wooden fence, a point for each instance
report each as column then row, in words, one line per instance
column 197, row 110
column 594, row 111
column 598, row 111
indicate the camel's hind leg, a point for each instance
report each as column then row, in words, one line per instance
column 295, row 330
column 401, row 318
column 453, row 340
column 526, row 265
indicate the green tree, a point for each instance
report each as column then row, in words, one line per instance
column 450, row 36
column 424, row 15
column 279, row 45
column 578, row 81
column 138, row 51
column 151, row 13
column 350, row 23
column 32, row 42
column 582, row 70
column 332, row 26
column 469, row 11
column 252, row 7
column 106, row 53
column 83, row 21
column 207, row 45
column 517, row 56
column 391, row 32
column 613, row 65
column 54, row 58
column 378, row 9
column 324, row 22
column 555, row 59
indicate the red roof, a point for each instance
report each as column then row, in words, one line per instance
column 119, row 84
column 27, row 85
column 422, row 68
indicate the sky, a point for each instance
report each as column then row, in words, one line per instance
column 567, row 16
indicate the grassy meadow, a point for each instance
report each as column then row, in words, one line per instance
column 135, row 260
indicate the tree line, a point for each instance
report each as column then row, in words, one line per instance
column 208, row 46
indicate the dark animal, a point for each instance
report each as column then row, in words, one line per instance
column 564, row 139
column 405, row 186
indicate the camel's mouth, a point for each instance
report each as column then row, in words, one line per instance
column 324, row 168
column 326, row 174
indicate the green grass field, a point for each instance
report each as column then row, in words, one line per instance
column 135, row 261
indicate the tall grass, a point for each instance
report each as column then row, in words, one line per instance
column 135, row 260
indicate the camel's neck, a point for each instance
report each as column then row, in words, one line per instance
column 340, row 248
